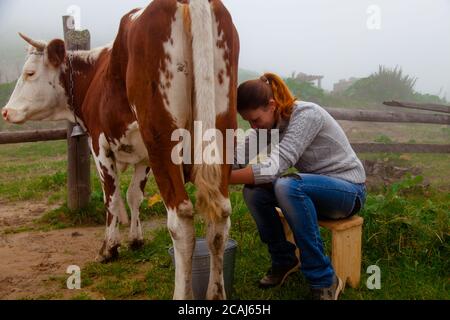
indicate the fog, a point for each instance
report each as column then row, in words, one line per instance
column 337, row 39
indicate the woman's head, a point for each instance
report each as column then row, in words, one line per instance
column 262, row 102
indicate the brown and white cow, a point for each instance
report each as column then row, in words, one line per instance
column 42, row 93
column 173, row 63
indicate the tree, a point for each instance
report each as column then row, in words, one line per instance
column 386, row 84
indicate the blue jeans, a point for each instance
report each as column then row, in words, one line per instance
column 303, row 198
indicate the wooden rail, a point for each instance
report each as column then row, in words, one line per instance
column 32, row 136
column 338, row 114
column 393, row 117
column 419, row 106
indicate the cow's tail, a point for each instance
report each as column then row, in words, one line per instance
column 207, row 174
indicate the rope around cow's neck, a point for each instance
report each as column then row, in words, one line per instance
column 71, row 92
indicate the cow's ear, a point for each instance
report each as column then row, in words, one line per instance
column 56, row 50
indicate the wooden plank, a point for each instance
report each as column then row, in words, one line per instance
column 381, row 116
column 346, row 254
column 345, row 224
column 419, row 106
column 400, row 148
column 78, row 155
column 32, row 136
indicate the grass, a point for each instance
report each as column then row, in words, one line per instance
column 406, row 233
column 384, row 139
column 33, row 171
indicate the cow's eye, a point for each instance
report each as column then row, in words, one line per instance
column 30, row 73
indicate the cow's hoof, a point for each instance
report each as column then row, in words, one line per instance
column 107, row 256
column 136, row 245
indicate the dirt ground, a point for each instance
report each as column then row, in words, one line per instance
column 33, row 264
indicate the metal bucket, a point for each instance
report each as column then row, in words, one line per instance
column 201, row 268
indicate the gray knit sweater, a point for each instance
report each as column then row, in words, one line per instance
column 311, row 141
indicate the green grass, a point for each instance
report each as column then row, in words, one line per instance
column 406, row 232
column 33, row 171
column 384, row 139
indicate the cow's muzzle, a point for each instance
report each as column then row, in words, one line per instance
column 13, row 116
column 5, row 114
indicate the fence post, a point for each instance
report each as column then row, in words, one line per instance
column 78, row 153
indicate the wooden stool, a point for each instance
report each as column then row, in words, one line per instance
column 345, row 249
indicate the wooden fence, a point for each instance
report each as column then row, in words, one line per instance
column 79, row 188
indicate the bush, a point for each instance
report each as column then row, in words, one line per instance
column 386, row 84
column 305, row 91
column 389, row 84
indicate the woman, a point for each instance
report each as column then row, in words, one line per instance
column 331, row 184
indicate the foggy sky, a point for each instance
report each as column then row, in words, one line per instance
column 326, row 37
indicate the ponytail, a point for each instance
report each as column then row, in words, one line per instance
column 284, row 99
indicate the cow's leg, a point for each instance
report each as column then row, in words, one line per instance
column 135, row 195
column 181, row 227
column 217, row 236
column 170, row 180
column 159, row 86
column 180, row 220
column 115, row 208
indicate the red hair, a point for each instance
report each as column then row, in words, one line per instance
column 256, row 93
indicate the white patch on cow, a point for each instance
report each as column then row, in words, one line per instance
column 130, row 148
column 220, row 67
column 113, row 166
column 176, row 80
column 112, row 235
column 135, row 196
column 102, row 160
column 226, row 206
column 218, row 230
column 203, row 60
column 40, row 96
column 91, row 56
column 137, row 14
column 183, row 237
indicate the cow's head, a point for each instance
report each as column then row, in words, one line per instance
column 39, row 94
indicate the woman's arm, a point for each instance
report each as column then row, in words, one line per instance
column 242, row 176
column 304, row 126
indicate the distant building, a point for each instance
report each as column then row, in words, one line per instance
column 303, row 77
column 344, row 84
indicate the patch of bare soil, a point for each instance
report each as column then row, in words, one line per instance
column 33, row 264
column 22, row 214
column 382, row 172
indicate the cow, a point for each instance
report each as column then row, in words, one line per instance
column 43, row 93
column 173, row 64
